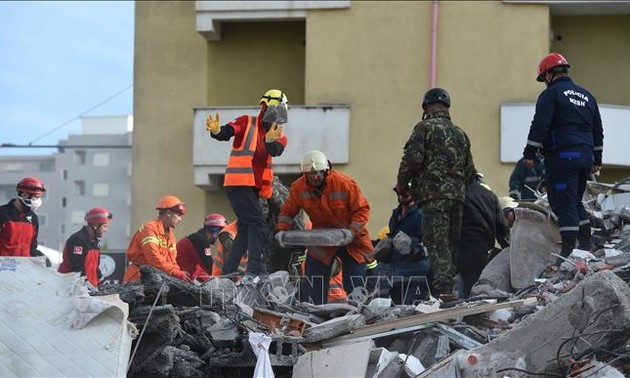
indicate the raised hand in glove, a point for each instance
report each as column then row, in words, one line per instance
column 212, row 125
column 184, row 276
column 274, row 133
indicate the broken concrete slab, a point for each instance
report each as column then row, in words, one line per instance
column 495, row 275
column 549, row 331
column 346, row 360
column 334, row 327
column 532, row 239
column 331, row 237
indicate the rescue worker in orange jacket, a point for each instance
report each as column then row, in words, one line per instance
column 19, row 224
column 82, row 252
column 224, row 248
column 194, row 254
column 331, row 200
column 249, row 175
column 154, row 243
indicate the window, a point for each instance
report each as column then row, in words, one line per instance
column 13, row 167
column 64, row 174
column 101, row 159
column 46, row 166
column 42, row 218
column 64, row 202
column 79, row 188
column 80, row 157
column 63, row 230
column 100, row 190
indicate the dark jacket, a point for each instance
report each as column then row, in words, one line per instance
column 522, row 176
column 410, row 224
column 82, row 254
column 18, row 231
column 567, row 115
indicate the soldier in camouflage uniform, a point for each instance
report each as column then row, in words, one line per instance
column 437, row 164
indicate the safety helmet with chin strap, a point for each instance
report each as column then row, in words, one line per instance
column 314, row 161
column 551, row 62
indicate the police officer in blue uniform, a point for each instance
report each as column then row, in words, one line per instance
column 567, row 127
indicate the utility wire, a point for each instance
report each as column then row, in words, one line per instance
column 81, row 115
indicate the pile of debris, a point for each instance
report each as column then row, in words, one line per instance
column 527, row 317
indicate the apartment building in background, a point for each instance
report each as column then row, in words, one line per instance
column 90, row 169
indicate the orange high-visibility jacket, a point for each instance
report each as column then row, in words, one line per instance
column 150, row 246
column 240, row 170
column 340, row 205
column 217, row 266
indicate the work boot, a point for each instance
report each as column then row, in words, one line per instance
column 584, row 238
column 568, row 244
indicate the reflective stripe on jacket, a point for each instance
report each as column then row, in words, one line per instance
column 151, row 246
column 340, row 205
column 217, row 267
column 240, row 170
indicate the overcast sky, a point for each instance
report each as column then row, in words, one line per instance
column 58, row 60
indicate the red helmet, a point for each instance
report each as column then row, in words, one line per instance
column 31, row 185
column 548, row 62
column 172, row 203
column 98, row 215
column 215, row 220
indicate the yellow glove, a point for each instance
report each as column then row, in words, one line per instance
column 212, row 125
column 274, row 133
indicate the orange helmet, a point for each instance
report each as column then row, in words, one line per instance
column 215, row 220
column 172, row 203
column 549, row 62
column 31, row 185
column 98, row 215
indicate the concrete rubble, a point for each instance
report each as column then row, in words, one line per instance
column 526, row 315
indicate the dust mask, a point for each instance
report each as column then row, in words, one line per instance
column 32, row 203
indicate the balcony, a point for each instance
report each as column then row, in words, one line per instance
column 210, row 14
column 325, row 128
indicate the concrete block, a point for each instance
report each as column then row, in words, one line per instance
column 496, row 275
column 534, row 343
column 334, row 327
column 341, row 361
column 331, row 237
column 532, row 238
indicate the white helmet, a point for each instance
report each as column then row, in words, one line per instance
column 507, row 203
column 314, row 161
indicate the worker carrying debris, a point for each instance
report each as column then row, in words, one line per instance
column 194, row 254
column 19, row 225
column 567, row 127
column 436, row 165
column 249, row 174
column 224, row 247
column 402, row 248
column 82, row 252
column 526, row 178
column 483, row 223
column 154, row 243
column 331, row 200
